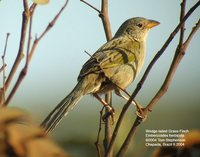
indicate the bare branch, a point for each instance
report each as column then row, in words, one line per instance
column 30, row 54
column 180, row 51
column 20, row 55
column 91, row 6
column 138, row 120
column 141, row 82
column 129, row 137
column 182, row 14
column 2, row 68
column 49, row 26
column 32, row 10
column 5, row 48
column 98, row 134
column 2, row 100
column 174, row 64
column 194, row 30
column 108, row 97
column 105, row 19
column 25, row 68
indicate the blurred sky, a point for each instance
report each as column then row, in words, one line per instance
column 60, row 54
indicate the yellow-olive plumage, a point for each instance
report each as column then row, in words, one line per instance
column 113, row 66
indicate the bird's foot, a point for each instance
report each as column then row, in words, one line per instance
column 109, row 112
column 140, row 113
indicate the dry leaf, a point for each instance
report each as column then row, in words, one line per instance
column 19, row 134
column 21, row 137
column 192, row 138
column 41, row 1
column 11, row 114
column 41, row 147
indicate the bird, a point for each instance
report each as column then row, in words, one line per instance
column 114, row 66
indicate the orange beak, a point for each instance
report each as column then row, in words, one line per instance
column 152, row 23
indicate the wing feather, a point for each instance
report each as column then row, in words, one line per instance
column 117, row 52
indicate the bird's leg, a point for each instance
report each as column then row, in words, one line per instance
column 109, row 108
column 138, row 106
column 118, row 93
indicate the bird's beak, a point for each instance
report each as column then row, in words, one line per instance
column 152, row 23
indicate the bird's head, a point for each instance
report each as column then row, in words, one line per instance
column 136, row 27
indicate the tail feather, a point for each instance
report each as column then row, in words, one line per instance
column 61, row 110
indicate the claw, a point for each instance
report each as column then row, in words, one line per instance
column 109, row 112
column 140, row 114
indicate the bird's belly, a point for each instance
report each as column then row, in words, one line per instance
column 124, row 75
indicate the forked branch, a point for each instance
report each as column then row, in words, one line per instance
column 140, row 84
column 30, row 51
column 2, row 91
column 20, row 54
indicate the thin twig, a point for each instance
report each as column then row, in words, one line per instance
column 174, row 63
column 88, row 53
column 108, row 123
column 20, row 55
column 49, row 26
column 30, row 54
column 31, row 10
column 99, row 132
column 181, row 52
column 5, row 47
column 91, row 6
column 182, row 14
column 103, row 14
column 3, row 69
column 25, row 68
column 141, row 82
column 194, row 30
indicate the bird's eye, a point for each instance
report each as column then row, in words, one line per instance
column 139, row 25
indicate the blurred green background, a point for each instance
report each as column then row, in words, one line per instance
column 60, row 55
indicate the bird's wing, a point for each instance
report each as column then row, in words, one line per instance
column 112, row 54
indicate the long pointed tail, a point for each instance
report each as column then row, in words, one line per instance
column 67, row 104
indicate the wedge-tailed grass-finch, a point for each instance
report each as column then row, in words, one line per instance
column 113, row 66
